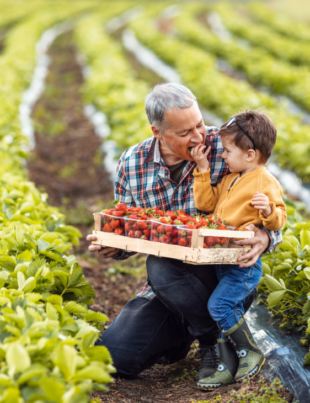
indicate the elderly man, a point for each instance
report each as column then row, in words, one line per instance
column 170, row 311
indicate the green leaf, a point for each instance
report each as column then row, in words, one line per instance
column 304, row 238
column 42, row 245
column 31, row 241
column 273, row 284
column 55, row 299
column 64, row 357
column 306, row 307
column 286, row 245
column 275, row 298
column 29, row 285
column 95, row 373
column 51, row 312
column 17, row 358
column 20, row 280
column 95, row 317
column 266, row 268
column 31, row 372
column 35, row 266
column 74, row 308
column 76, row 274
column 8, row 262
column 306, row 272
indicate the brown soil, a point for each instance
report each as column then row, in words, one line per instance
column 67, row 165
column 67, row 160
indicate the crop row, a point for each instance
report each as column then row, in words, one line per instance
column 283, row 25
column 225, row 96
column 285, row 48
column 47, row 331
column 112, row 85
column 260, row 67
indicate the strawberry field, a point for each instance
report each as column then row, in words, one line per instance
column 72, row 90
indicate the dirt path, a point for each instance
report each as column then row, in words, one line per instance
column 67, row 164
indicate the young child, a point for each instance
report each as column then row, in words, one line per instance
column 248, row 195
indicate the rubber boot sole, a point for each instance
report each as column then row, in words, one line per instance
column 251, row 374
column 216, row 386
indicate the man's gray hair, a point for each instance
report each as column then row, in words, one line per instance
column 166, row 96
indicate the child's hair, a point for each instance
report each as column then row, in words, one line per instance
column 260, row 129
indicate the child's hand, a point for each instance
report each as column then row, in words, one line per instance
column 200, row 157
column 261, row 202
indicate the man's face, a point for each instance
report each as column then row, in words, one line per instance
column 186, row 129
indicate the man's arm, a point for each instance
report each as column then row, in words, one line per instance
column 123, row 194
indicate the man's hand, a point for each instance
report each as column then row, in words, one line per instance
column 200, row 157
column 102, row 250
column 261, row 202
column 259, row 244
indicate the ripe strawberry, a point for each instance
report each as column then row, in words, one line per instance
column 166, row 238
column 107, row 228
column 131, row 234
column 143, row 216
column 147, row 233
column 114, row 224
column 160, row 229
column 209, row 241
column 174, row 233
column 121, row 206
column 138, row 234
column 171, row 214
column 117, row 213
column 127, row 226
column 142, row 225
column 183, row 242
column 119, row 231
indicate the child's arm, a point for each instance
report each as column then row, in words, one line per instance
column 205, row 195
column 272, row 209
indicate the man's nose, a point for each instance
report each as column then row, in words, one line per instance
column 197, row 137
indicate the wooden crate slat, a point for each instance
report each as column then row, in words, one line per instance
column 225, row 233
column 147, row 247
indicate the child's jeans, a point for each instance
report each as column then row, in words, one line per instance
column 235, row 283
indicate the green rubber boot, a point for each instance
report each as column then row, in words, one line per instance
column 224, row 374
column 251, row 359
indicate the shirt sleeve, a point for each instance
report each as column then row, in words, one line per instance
column 218, row 168
column 275, row 238
column 122, row 190
column 205, row 195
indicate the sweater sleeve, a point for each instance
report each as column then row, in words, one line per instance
column 205, row 195
column 277, row 218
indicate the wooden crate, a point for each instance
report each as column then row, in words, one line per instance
column 195, row 254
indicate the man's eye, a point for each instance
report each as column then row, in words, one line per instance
column 183, row 135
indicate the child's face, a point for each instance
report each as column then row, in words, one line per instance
column 235, row 158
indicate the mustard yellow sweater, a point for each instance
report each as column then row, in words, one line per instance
column 232, row 201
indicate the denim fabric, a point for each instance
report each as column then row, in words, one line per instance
column 235, row 284
column 148, row 329
column 185, row 289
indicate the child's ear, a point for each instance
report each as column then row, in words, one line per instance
column 251, row 154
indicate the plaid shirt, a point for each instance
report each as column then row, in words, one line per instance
column 143, row 179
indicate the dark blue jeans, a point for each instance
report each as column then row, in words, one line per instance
column 166, row 325
column 235, row 284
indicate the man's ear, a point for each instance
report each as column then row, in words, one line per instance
column 156, row 132
column 251, row 156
